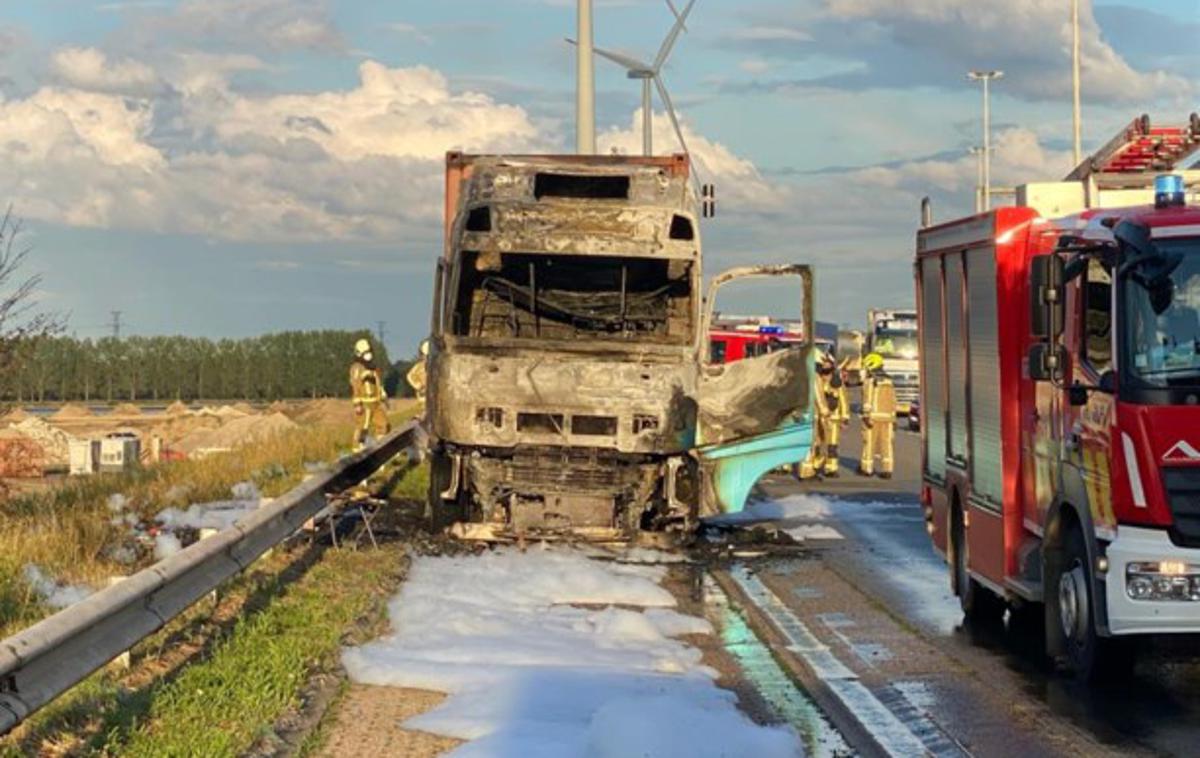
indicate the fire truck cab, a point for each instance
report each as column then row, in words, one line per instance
column 1061, row 400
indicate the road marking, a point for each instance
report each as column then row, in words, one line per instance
column 885, row 728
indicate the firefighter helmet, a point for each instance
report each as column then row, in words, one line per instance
column 362, row 347
column 873, row 362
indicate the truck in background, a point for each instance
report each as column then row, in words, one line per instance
column 1060, row 350
column 570, row 391
column 892, row 333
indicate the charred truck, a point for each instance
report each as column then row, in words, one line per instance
column 570, row 392
column 1060, row 352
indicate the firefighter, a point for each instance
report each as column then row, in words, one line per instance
column 832, row 413
column 368, row 395
column 416, row 374
column 878, row 418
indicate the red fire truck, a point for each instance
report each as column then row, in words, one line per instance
column 732, row 340
column 1060, row 360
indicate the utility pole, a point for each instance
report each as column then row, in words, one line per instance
column 381, row 325
column 116, row 324
column 978, row 153
column 986, row 77
column 585, row 83
column 1076, row 110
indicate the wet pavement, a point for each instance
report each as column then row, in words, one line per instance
column 871, row 588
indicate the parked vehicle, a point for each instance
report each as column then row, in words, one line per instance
column 1060, row 344
column 892, row 333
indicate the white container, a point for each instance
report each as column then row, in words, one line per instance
column 83, row 457
column 119, row 453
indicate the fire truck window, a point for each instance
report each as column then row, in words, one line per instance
column 1097, row 322
column 716, row 351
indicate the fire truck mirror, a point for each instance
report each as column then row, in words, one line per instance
column 1047, row 305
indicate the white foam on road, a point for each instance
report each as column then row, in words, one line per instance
column 778, row 509
column 531, row 673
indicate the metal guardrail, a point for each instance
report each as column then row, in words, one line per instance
column 41, row 662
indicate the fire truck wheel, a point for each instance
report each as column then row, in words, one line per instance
column 1090, row 657
column 979, row 604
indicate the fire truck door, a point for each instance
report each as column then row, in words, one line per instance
column 756, row 413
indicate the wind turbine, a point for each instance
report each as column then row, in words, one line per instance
column 651, row 74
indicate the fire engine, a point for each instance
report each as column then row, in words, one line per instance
column 1060, row 400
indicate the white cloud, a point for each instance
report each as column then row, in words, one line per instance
column 358, row 164
column 770, row 34
column 741, row 188
column 1032, row 38
column 90, row 69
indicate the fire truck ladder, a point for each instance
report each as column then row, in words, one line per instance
column 1140, row 152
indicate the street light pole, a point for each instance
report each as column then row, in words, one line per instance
column 986, row 77
column 1075, row 84
column 978, row 153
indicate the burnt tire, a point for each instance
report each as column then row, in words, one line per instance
column 439, row 513
column 1087, row 655
column 980, row 606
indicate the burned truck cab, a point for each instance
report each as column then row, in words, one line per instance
column 565, row 364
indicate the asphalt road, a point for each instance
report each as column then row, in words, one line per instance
column 873, row 589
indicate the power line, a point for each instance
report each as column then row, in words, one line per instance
column 116, row 324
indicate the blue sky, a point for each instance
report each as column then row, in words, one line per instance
column 227, row 167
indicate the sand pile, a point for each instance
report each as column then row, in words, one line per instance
column 16, row 415
column 229, row 411
column 236, row 433
column 244, row 407
column 55, row 442
column 175, row 428
column 177, row 409
column 326, row 411
column 126, row 409
column 72, row 411
column 20, row 457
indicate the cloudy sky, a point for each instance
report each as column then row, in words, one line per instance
column 228, row 167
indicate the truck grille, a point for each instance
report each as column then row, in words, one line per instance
column 1183, row 495
column 566, row 471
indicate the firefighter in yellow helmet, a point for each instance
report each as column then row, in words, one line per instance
column 416, row 375
column 832, row 413
column 878, row 418
column 368, row 395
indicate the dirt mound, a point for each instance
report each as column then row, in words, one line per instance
column 20, row 456
column 175, row 428
column 326, row 411
column 235, row 433
column 126, row 409
column 54, row 441
column 177, row 408
column 244, row 407
column 72, row 410
column 17, row 415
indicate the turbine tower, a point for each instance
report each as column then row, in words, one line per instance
column 651, row 74
column 585, row 83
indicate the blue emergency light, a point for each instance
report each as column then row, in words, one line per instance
column 770, row 330
column 1168, row 191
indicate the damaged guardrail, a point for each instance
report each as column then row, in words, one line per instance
column 42, row 662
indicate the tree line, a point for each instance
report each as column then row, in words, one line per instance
column 276, row 366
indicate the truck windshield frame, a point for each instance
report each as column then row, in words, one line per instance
column 895, row 343
column 1160, row 352
column 545, row 297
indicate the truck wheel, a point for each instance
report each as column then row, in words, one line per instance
column 979, row 604
column 439, row 513
column 1089, row 656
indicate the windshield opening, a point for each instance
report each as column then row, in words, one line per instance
column 1162, row 321
column 562, row 297
column 895, row 343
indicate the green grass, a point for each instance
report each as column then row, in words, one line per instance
column 67, row 531
column 223, row 705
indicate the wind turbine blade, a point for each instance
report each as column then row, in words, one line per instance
column 675, row 11
column 666, row 98
column 626, row 61
column 669, row 42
